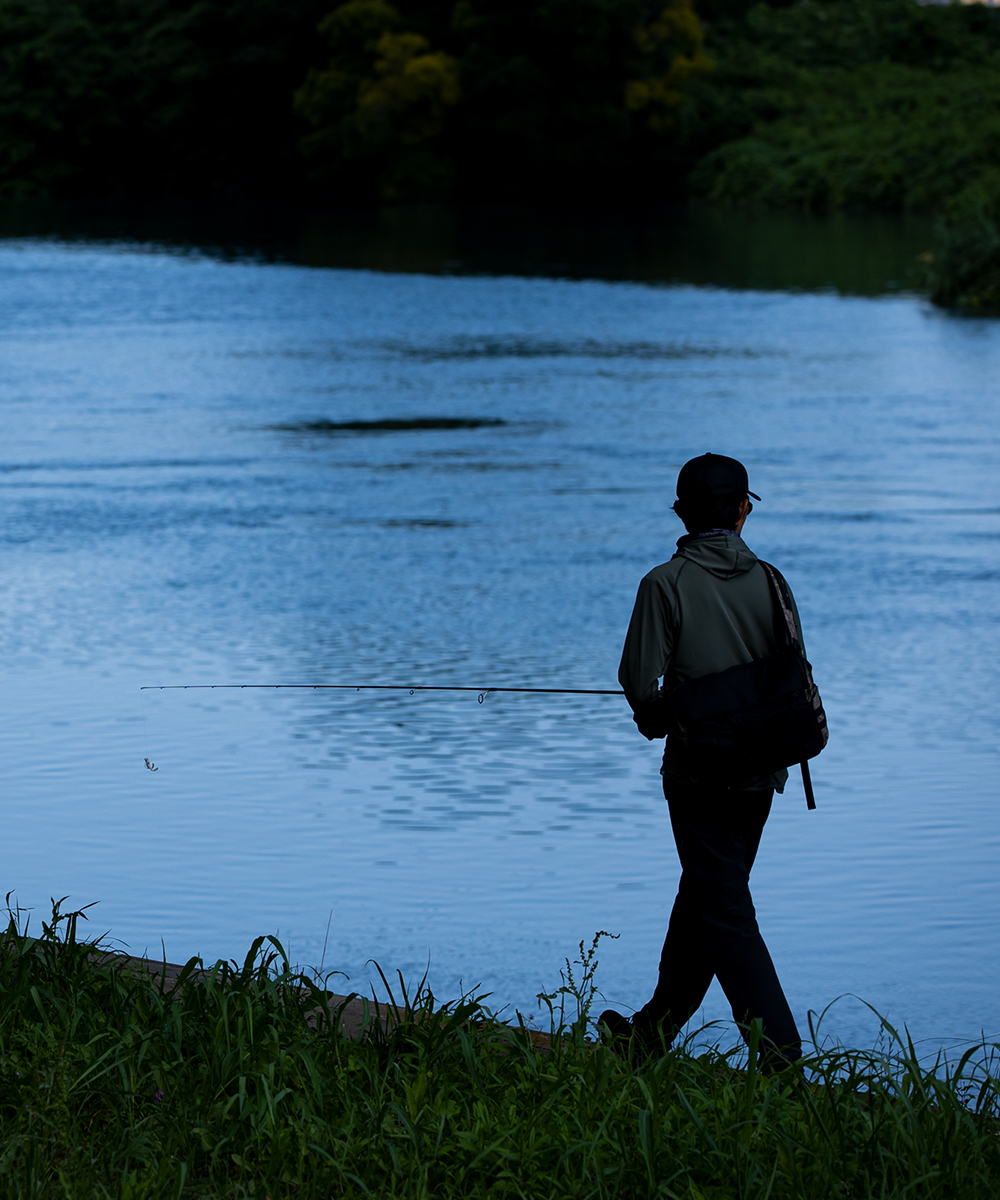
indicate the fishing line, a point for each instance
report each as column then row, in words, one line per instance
column 145, row 733
column 357, row 687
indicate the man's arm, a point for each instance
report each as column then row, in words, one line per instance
column 646, row 657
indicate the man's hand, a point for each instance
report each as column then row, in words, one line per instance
column 654, row 717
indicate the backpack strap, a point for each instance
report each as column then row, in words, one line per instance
column 781, row 591
column 784, row 598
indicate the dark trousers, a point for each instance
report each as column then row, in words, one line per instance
column 713, row 926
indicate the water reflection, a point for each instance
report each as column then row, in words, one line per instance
column 240, row 472
column 390, row 425
column 853, row 253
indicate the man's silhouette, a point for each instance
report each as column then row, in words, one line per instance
column 711, row 607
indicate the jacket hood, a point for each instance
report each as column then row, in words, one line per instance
column 722, row 555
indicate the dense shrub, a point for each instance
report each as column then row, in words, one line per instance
column 860, row 103
column 881, row 135
column 874, row 103
column 964, row 267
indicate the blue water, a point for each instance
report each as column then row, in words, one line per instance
column 169, row 517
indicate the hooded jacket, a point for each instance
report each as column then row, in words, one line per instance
column 709, row 608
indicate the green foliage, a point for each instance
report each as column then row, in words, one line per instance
column 379, row 106
column 59, row 84
column 211, row 110
column 877, row 103
column 151, row 95
column 572, row 97
column 499, row 99
column 860, row 103
column 237, row 1083
column 488, row 99
column 964, row 267
column 881, row 135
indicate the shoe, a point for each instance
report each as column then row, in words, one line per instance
column 650, row 1036
column 636, row 1039
column 615, row 1030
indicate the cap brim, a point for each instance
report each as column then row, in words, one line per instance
column 754, row 494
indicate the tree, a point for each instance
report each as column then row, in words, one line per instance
column 501, row 99
column 379, row 108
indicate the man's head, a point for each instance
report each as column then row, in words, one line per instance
column 713, row 493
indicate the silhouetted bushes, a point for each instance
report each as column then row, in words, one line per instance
column 152, row 95
column 500, row 99
column 482, row 99
column 964, row 266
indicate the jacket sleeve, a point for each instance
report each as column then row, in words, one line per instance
column 648, row 644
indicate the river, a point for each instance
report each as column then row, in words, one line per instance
column 191, row 495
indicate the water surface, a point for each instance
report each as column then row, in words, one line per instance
column 216, row 471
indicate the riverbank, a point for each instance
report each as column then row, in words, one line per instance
column 239, row 1081
column 706, row 245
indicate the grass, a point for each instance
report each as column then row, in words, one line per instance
column 237, row 1081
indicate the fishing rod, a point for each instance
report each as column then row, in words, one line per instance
column 378, row 687
column 417, row 687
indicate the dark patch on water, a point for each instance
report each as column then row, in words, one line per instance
column 389, row 425
column 421, row 523
column 138, row 464
column 471, row 348
column 454, row 467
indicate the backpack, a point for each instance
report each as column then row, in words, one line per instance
column 751, row 720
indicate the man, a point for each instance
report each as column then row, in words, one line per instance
column 711, row 607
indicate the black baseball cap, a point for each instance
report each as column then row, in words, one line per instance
column 713, row 475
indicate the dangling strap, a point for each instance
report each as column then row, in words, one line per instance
column 807, row 785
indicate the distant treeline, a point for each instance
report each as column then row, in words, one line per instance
column 863, row 103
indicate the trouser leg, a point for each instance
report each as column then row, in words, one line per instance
column 713, row 926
